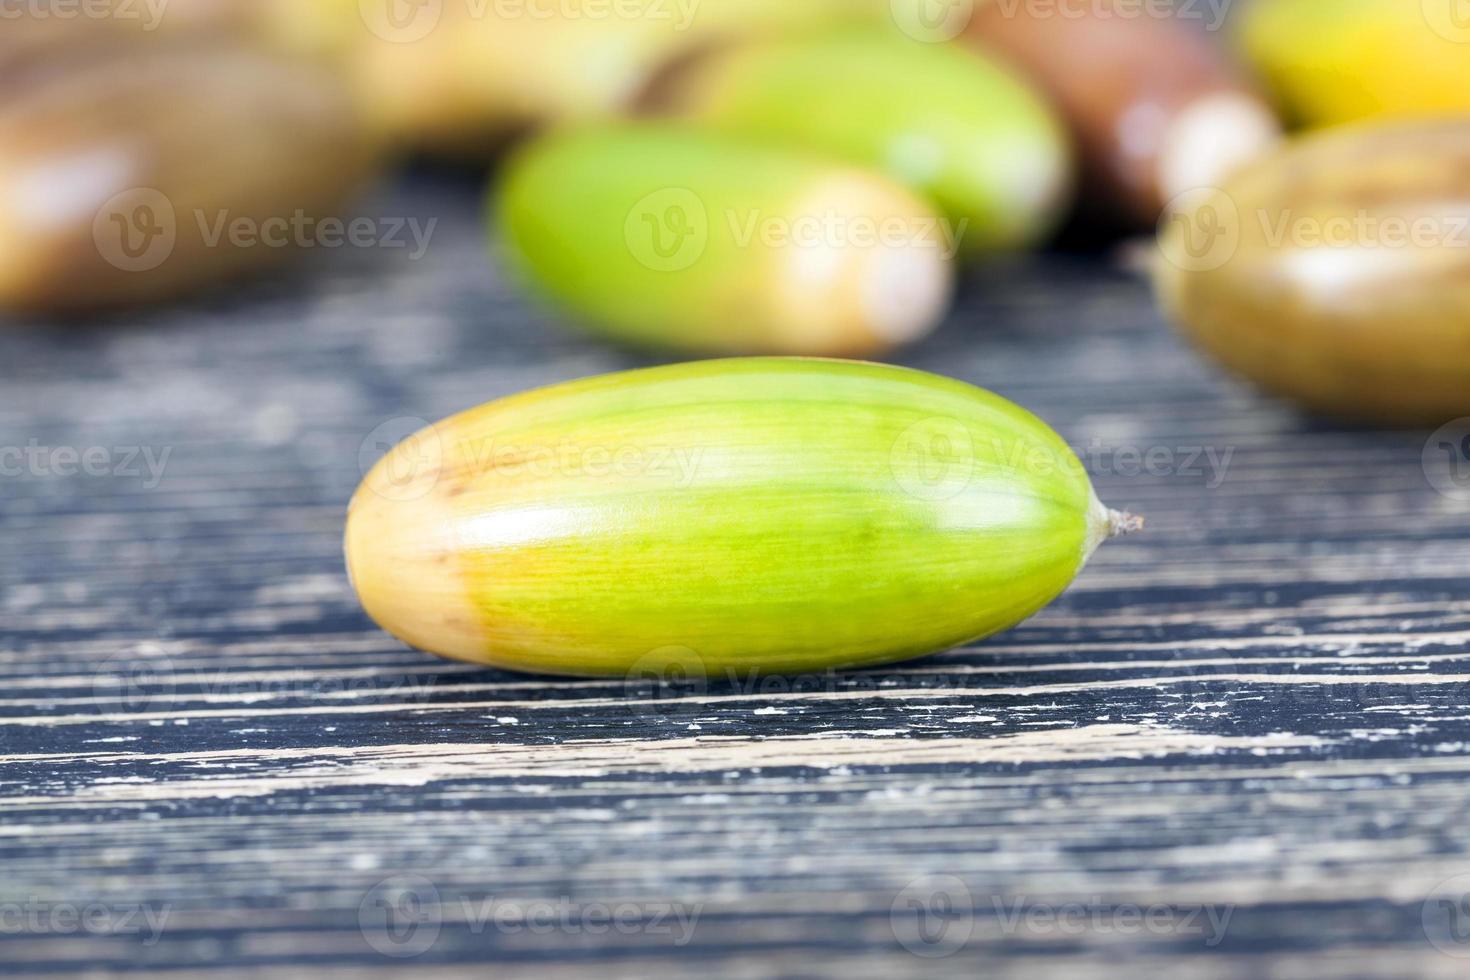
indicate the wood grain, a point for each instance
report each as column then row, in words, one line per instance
column 1239, row 746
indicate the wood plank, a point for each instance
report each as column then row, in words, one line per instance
column 1238, row 747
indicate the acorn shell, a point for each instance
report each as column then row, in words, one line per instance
column 1336, row 272
column 1336, row 61
column 663, row 236
column 949, row 123
column 126, row 166
column 1153, row 106
column 742, row 516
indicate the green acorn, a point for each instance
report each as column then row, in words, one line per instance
column 764, row 515
column 944, row 121
column 667, row 237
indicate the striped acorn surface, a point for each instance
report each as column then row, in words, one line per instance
column 736, row 517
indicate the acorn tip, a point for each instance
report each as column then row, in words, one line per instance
column 1120, row 522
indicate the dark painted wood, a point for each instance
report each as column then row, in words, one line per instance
column 1239, row 746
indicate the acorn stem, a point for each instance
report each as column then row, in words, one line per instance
column 1120, row 522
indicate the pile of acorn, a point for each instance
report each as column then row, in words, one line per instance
column 768, row 177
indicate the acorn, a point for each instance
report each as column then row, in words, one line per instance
column 949, row 123
column 127, row 169
column 1337, row 271
column 1336, row 61
column 748, row 516
column 464, row 78
column 1155, row 108
column 666, row 237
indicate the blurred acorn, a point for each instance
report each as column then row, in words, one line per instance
column 671, row 238
column 126, row 168
column 1334, row 61
column 1155, row 108
column 462, row 78
column 946, row 122
column 301, row 26
column 1337, row 271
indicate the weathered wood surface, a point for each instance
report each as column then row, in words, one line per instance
column 1239, row 746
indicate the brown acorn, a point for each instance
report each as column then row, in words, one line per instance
column 1155, row 108
column 1337, row 271
column 128, row 167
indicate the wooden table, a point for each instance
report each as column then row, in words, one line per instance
column 1237, row 747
